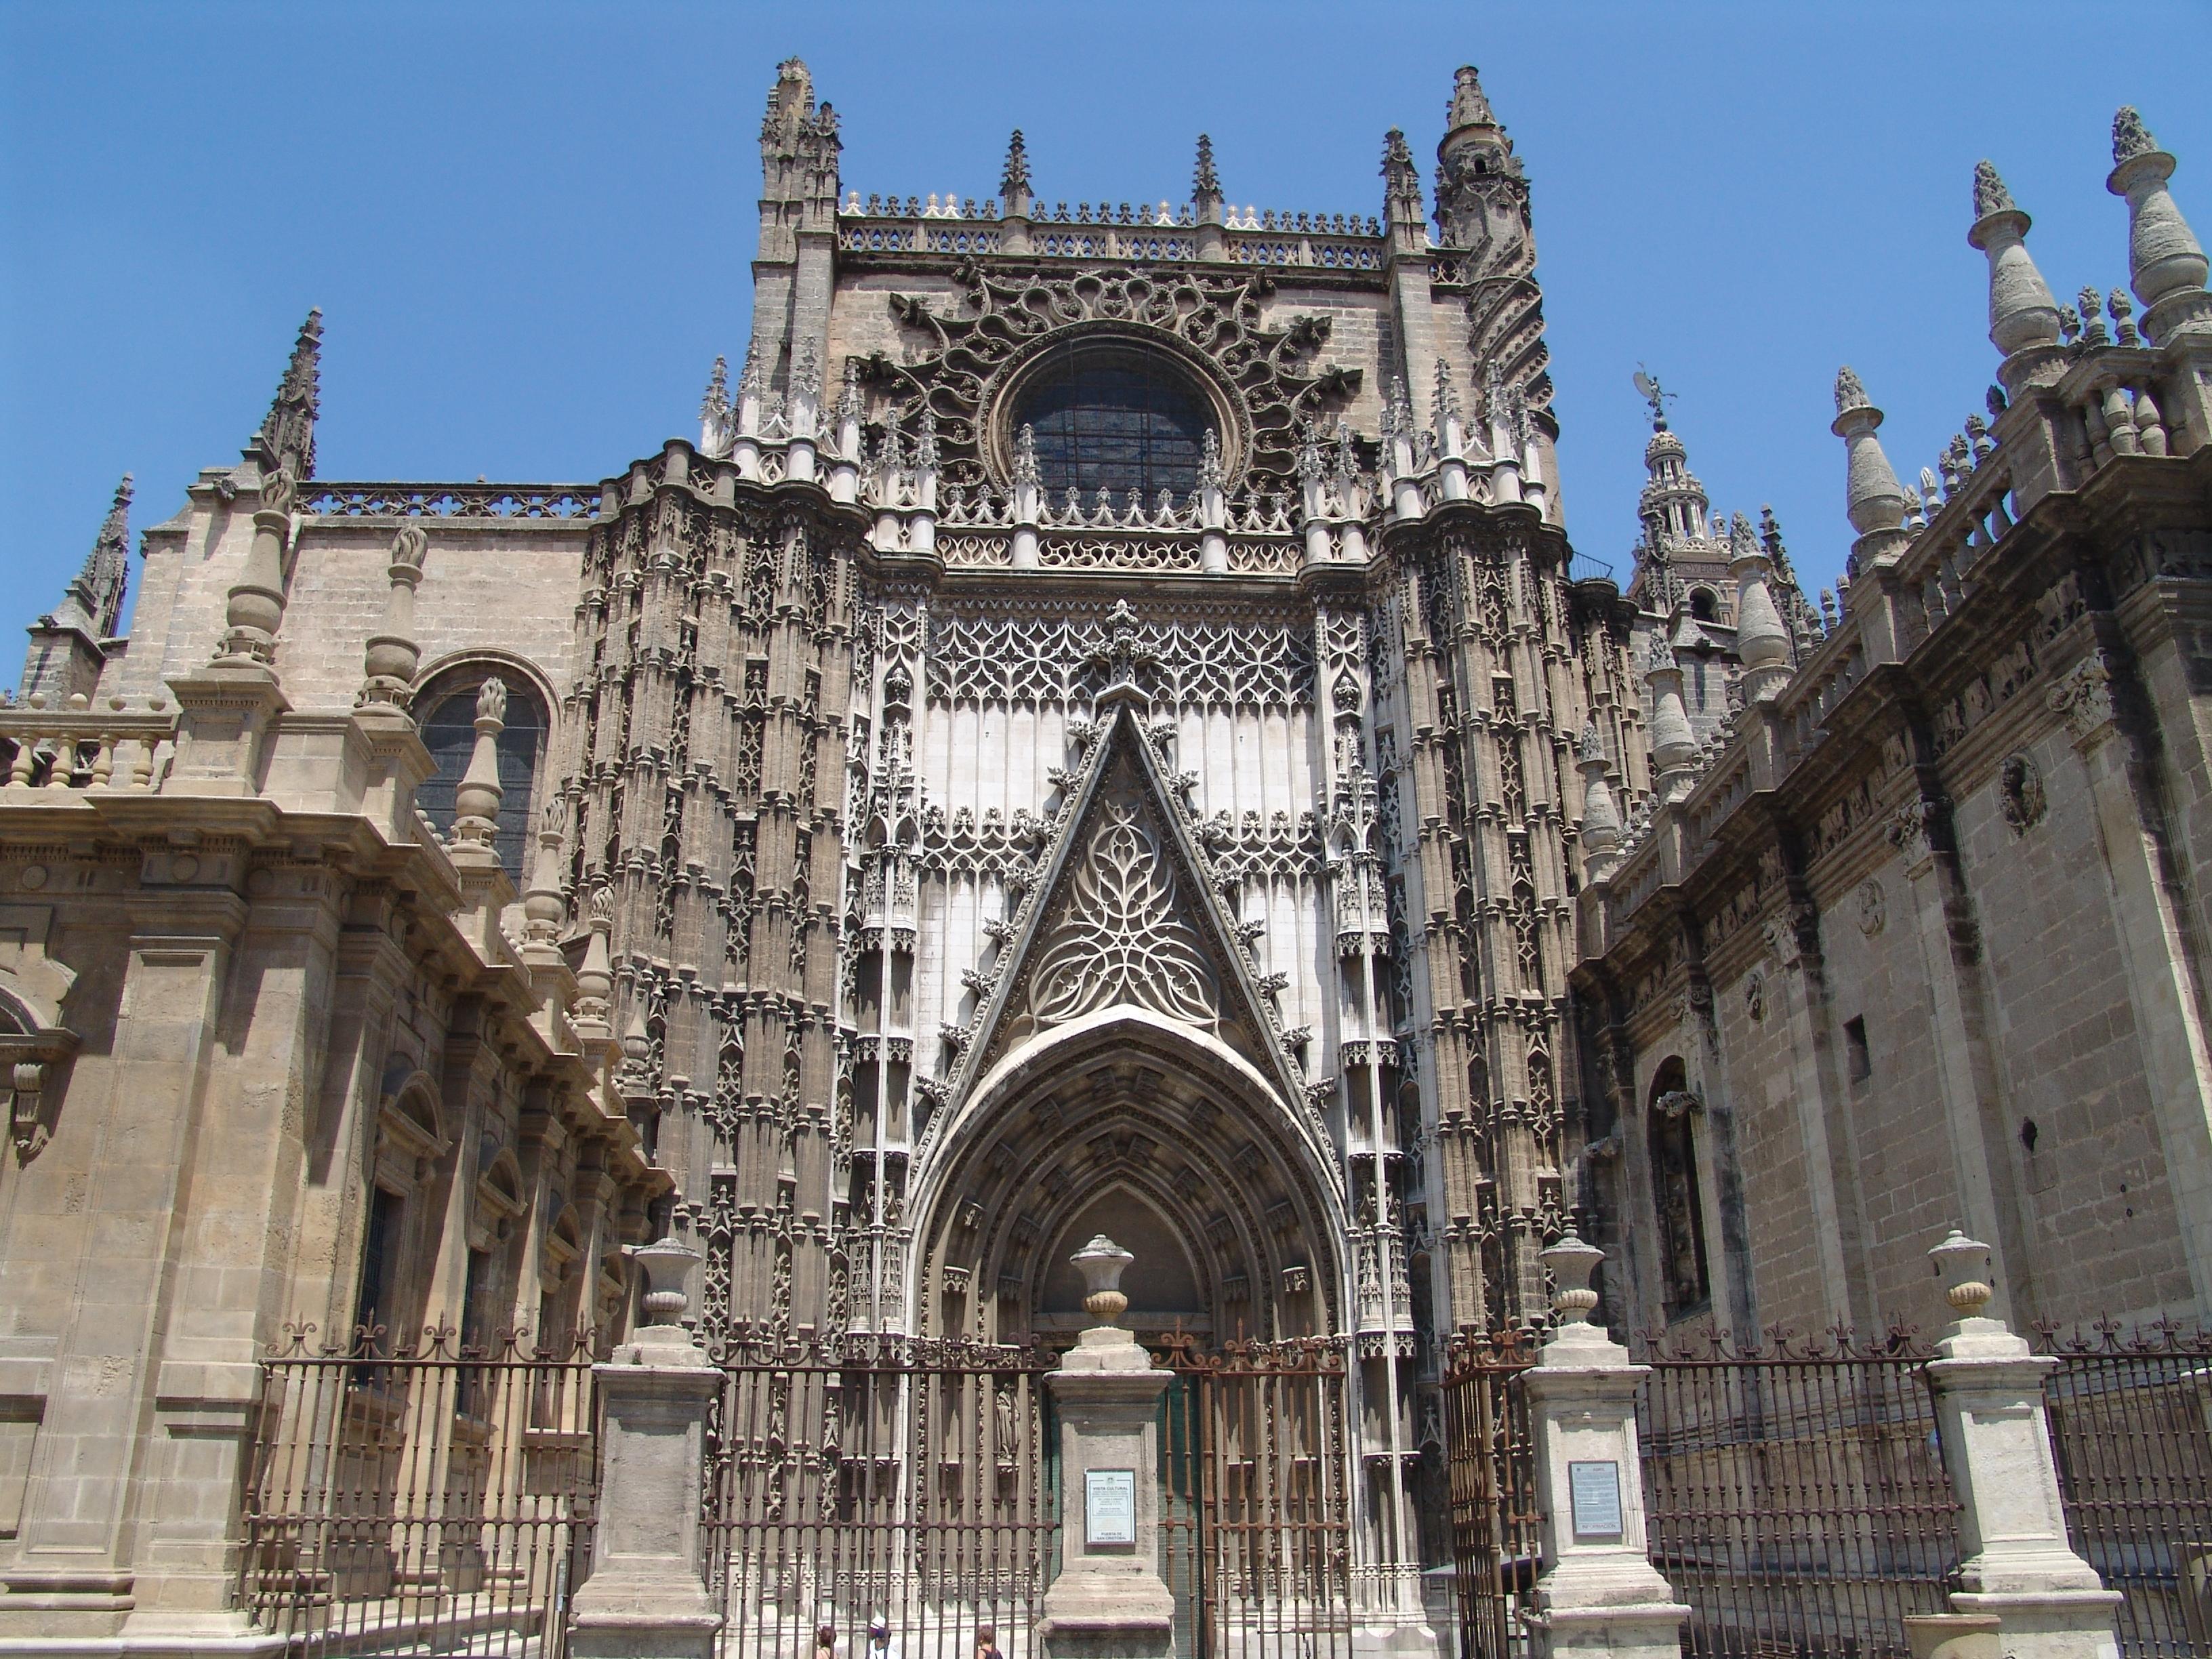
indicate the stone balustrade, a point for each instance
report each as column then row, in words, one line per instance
column 82, row 747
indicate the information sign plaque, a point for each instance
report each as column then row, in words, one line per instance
column 1593, row 1490
column 1109, row 1506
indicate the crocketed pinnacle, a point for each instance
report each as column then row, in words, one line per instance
column 288, row 433
column 1205, row 181
column 1402, row 180
column 93, row 601
column 716, row 403
column 1015, row 175
column 2131, row 137
column 1850, row 393
column 1990, row 195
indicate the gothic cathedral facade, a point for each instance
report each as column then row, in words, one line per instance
column 1104, row 732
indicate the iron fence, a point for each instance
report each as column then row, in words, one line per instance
column 1254, row 1510
column 1491, row 1478
column 2132, row 1432
column 1795, row 1491
column 431, row 1499
column 858, row 1479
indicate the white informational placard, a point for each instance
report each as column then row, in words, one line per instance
column 1594, row 1491
column 1109, row 1506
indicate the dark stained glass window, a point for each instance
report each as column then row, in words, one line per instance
column 1114, row 417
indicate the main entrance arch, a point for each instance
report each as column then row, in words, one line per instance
column 1124, row 1121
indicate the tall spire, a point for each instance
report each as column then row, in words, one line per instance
column 93, row 601
column 287, row 433
column 2023, row 317
column 1483, row 212
column 1468, row 108
column 2166, row 263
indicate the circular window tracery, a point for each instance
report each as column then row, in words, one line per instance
column 1114, row 415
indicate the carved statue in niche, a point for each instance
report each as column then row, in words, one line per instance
column 1684, row 1276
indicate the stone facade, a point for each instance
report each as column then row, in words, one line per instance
column 846, row 847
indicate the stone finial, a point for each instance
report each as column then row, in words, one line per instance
column 253, row 610
column 666, row 1264
column 1674, row 743
column 1101, row 1262
column 1571, row 1262
column 1762, row 640
column 2023, row 316
column 716, row 403
column 2131, row 137
column 390, row 656
column 1964, row 1263
column 595, row 979
column 1600, row 825
column 477, row 797
column 1402, row 180
column 1209, row 461
column 1026, row 456
column 1990, row 195
column 2166, row 263
column 1873, row 497
column 1205, row 183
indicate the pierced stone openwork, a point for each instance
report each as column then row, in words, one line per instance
column 1121, row 939
column 971, row 365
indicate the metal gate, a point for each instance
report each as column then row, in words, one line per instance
column 1491, row 1474
column 858, row 1479
column 1255, row 1500
column 431, row 1498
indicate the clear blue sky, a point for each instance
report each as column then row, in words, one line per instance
column 530, row 225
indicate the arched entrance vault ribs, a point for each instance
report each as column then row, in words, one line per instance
column 1184, row 1133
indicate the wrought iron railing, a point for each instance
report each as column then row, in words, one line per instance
column 1256, row 1513
column 860, row 1478
column 1491, row 1470
column 428, row 1499
column 1796, row 1492
column 2132, row 1430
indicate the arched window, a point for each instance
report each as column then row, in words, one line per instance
column 1113, row 415
column 446, row 709
column 1703, row 604
column 1683, row 1276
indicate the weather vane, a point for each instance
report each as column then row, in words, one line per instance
column 1654, row 394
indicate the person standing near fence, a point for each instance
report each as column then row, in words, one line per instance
column 825, row 1641
column 986, row 1642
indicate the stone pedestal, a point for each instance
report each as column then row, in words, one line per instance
column 1109, row 1601
column 646, row 1596
column 1599, row 1595
column 2018, row 1565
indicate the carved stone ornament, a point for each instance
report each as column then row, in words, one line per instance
column 2020, row 793
column 2085, row 698
column 1675, row 1102
column 1912, row 830
column 965, row 360
column 1874, row 907
column 1754, row 997
column 1122, row 938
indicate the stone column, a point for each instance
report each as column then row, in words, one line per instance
column 1109, row 1601
column 1601, row 1596
column 1996, row 1446
column 646, row 1596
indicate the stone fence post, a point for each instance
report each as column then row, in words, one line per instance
column 1600, row 1597
column 1600, row 1592
column 646, row 1595
column 1996, row 1445
column 1109, row 1601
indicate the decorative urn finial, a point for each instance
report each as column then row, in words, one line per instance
column 1101, row 1263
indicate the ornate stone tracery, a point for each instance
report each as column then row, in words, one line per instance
column 1263, row 381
